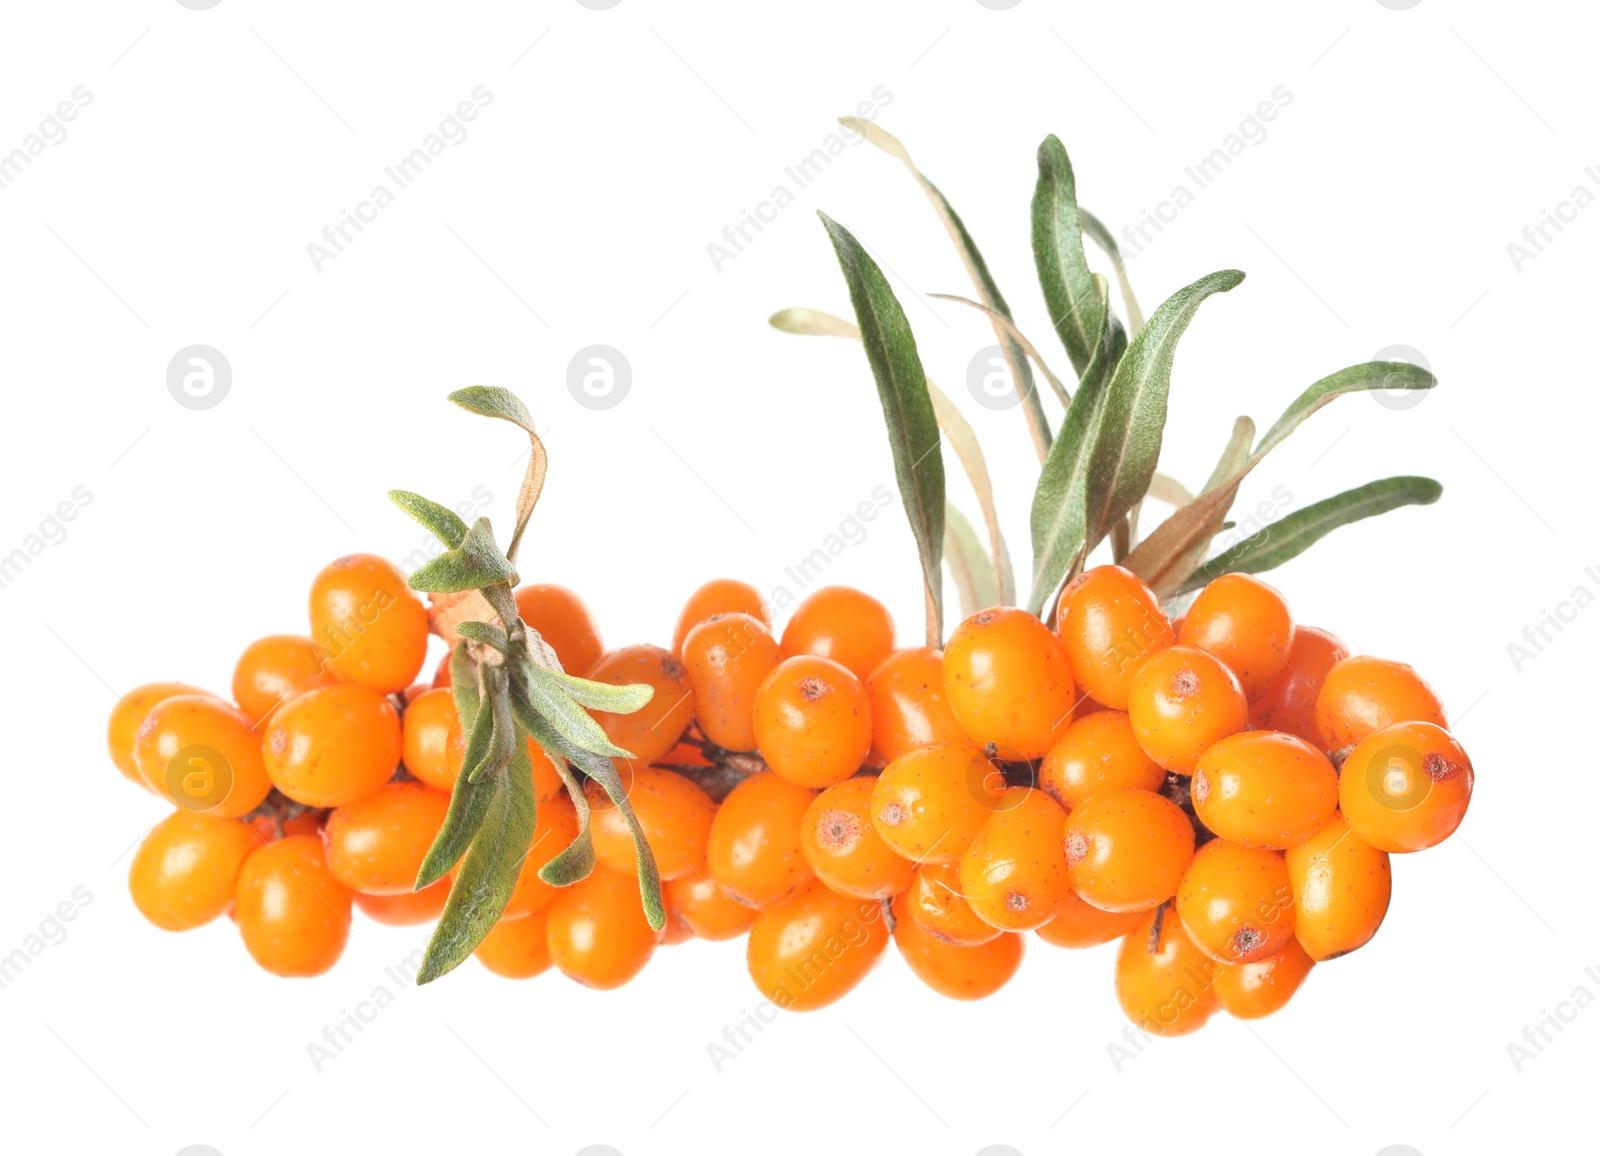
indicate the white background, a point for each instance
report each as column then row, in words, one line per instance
column 218, row 143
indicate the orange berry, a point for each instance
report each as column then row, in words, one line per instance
column 1110, row 622
column 1236, row 902
column 1341, row 890
column 563, row 621
column 273, row 826
column 1098, row 753
column 183, row 873
column 441, row 673
column 1182, row 701
column 1406, row 787
column 850, row 627
column 517, row 948
column 275, row 669
column 1015, row 871
column 814, row 947
column 843, row 849
column 719, row 596
column 754, row 852
column 1244, row 622
column 407, row 909
column 1289, row 702
column 1008, row 682
column 376, row 844
column 1079, row 924
column 728, row 656
column 674, row 930
column 1127, row 850
column 1363, row 694
column 1248, row 991
column 556, row 829
column 333, row 745
column 934, row 900
column 929, row 805
column 597, row 932
column 425, row 746
column 129, row 713
column 950, row 969
column 705, row 910
column 653, row 729
column 200, row 752
column 373, row 628
column 1264, row 789
column 293, row 915
column 812, row 721
column 1167, row 992
column 909, row 709
column 674, row 812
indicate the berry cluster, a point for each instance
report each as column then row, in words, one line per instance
column 1220, row 793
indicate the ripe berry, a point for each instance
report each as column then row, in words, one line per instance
column 1079, row 924
column 597, row 932
column 1265, row 789
column 1099, row 753
column 934, row 900
column 754, row 851
column 928, row 805
column 425, row 746
column 1127, row 850
column 376, row 844
column 1236, row 902
column 701, row 907
column 675, row 814
column 1363, row 694
column 837, row 622
column 1246, row 624
column 1405, row 787
column 814, row 947
column 1341, row 890
column 126, row 716
column 728, row 656
column 517, row 948
column 1167, row 992
column 1182, row 701
column 183, row 873
column 293, row 915
column 200, row 752
column 1110, row 622
column 909, row 709
column 333, row 745
column 563, row 621
column 965, row 973
column 1008, row 682
column 812, row 721
column 1248, row 991
column 407, row 909
column 719, row 596
column 1014, row 874
column 653, row 729
column 275, row 669
column 556, row 829
column 843, row 848
column 374, row 630
column 1289, row 702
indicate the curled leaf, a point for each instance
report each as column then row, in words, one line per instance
column 477, row 562
column 575, row 861
column 492, row 401
column 547, row 696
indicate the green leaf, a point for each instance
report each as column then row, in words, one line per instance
column 1367, row 376
column 1128, row 438
column 440, row 520
column 492, row 401
column 1234, row 456
column 469, row 799
column 488, row 874
column 485, row 632
column 969, row 563
column 605, row 696
column 907, row 409
column 554, row 703
column 464, row 686
column 1290, row 536
column 577, row 860
column 1101, row 236
column 503, row 739
column 1076, row 310
column 1060, row 515
column 476, row 563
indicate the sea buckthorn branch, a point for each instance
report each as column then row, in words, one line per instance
column 509, row 688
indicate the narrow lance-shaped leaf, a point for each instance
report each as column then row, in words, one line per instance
column 485, row 632
column 1076, row 310
column 1290, row 536
column 492, row 401
column 470, row 798
column 503, row 739
column 605, row 696
column 1367, row 376
column 1101, row 236
column 969, row 564
column 555, row 704
column 577, row 859
column 907, row 409
column 475, row 563
column 441, row 521
column 1234, row 456
column 977, row 269
column 1128, row 437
